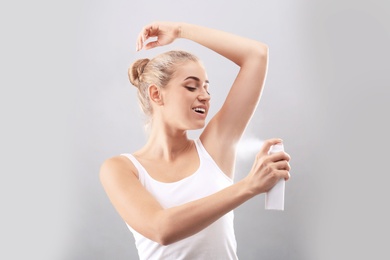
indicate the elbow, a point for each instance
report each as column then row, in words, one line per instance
column 166, row 233
column 262, row 51
column 164, row 241
column 165, row 238
column 257, row 55
column 260, row 57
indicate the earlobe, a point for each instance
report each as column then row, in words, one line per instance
column 155, row 95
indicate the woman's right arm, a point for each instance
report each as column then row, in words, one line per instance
column 141, row 210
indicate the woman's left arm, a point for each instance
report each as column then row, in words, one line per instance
column 252, row 58
column 221, row 135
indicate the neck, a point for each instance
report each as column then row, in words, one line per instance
column 166, row 143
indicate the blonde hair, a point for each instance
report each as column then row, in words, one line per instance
column 159, row 71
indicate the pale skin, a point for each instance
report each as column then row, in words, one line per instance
column 169, row 155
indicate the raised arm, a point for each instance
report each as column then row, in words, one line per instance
column 227, row 126
column 250, row 55
column 252, row 58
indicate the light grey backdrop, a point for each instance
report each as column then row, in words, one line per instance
column 66, row 105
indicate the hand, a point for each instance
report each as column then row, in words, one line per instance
column 166, row 33
column 268, row 168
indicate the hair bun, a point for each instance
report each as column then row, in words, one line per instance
column 135, row 71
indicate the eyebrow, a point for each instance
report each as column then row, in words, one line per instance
column 196, row 79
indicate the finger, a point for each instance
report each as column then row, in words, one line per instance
column 267, row 145
column 151, row 45
column 146, row 32
column 287, row 175
column 139, row 41
column 279, row 156
column 137, row 45
column 283, row 174
column 142, row 37
column 152, row 30
column 282, row 165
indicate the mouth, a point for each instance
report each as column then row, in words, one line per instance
column 199, row 110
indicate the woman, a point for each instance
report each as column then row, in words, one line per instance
column 175, row 194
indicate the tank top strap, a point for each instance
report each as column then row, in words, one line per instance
column 202, row 152
column 141, row 170
column 208, row 160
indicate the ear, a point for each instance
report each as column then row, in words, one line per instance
column 155, row 95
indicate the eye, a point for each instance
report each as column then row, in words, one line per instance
column 192, row 89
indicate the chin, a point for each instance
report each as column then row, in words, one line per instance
column 197, row 126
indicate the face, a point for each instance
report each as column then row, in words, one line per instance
column 186, row 98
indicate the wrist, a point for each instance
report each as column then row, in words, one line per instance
column 179, row 30
column 247, row 188
column 185, row 30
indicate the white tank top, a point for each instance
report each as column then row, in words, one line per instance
column 216, row 241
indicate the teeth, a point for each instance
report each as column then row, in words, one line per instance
column 199, row 109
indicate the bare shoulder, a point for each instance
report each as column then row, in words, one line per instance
column 117, row 168
column 126, row 193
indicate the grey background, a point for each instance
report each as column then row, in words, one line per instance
column 66, row 105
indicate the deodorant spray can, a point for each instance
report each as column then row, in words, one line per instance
column 274, row 198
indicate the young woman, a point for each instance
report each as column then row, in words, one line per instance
column 175, row 194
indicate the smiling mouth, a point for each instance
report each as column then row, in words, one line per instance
column 199, row 110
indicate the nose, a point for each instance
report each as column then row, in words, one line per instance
column 204, row 96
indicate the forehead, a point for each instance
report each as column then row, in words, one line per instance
column 190, row 68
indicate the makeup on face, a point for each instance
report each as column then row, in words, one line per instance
column 197, row 84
